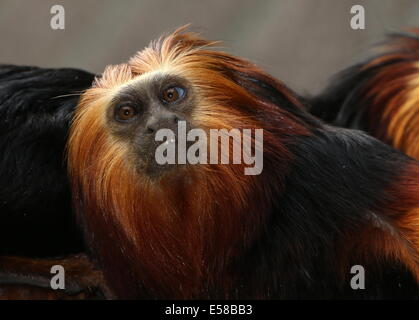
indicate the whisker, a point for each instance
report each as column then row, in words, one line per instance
column 68, row 95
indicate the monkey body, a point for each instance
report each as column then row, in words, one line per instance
column 326, row 200
column 36, row 106
column 332, row 216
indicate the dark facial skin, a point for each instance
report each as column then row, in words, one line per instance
column 138, row 111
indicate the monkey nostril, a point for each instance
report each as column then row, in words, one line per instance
column 151, row 125
column 166, row 121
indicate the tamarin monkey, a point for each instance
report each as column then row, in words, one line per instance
column 326, row 200
column 380, row 95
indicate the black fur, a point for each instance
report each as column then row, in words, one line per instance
column 340, row 102
column 35, row 208
column 337, row 179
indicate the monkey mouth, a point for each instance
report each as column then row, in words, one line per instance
column 162, row 158
column 154, row 171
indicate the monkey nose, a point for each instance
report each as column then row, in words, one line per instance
column 161, row 121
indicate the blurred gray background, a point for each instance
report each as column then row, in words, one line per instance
column 302, row 42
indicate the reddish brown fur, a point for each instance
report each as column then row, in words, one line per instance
column 177, row 236
column 393, row 93
column 406, row 217
column 29, row 279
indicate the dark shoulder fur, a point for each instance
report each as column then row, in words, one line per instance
column 336, row 182
column 36, row 106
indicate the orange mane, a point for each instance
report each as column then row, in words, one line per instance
column 182, row 232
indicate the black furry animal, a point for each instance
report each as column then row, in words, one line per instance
column 36, row 106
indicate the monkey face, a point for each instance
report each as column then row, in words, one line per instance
column 144, row 106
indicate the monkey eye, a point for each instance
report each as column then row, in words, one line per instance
column 125, row 112
column 172, row 94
